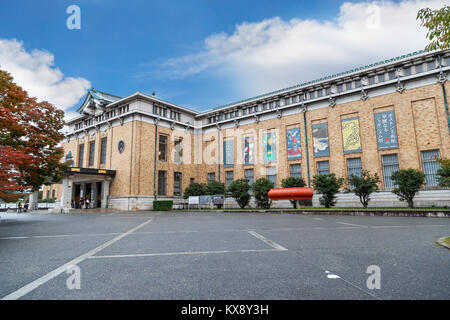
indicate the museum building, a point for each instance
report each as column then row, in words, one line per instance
column 390, row 115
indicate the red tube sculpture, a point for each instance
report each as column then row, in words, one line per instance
column 297, row 193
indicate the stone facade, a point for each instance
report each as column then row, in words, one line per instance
column 416, row 99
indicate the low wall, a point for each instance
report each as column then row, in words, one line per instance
column 386, row 199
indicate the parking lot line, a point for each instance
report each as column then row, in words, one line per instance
column 268, row 241
column 179, row 253
column 52, row 274
column 351, row 224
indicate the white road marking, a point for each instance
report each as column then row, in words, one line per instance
column 332, row 276
column 411, row 226
column 49, row 276
column 268, row 241
column 179, row 253
column 61, row 236
column 351, row 224
column 320, row 219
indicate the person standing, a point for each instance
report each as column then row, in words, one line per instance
column 19, row 209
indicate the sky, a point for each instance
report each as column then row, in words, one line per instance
column 198, row 54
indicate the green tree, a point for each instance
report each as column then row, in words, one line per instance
column 408, row 182
column 239, row 191
column 364, row 185
column 327, row 185
column 444, row 173
column 438, row 24
column 194, row 189
column 215, row 187
column 292, row 182
column 261, row 188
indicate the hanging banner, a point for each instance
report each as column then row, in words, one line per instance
column 293, row 144
column 320, row 139
column 228, row 153
column 386, row 130
column 248, row 150
column 269, row 141
column 350, row 135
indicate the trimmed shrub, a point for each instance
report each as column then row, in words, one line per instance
column 293, row 182
column 215, row 188
column 408, row 182
column 195, row 189
column 261, row 188
column 162, row 205
column 363, row 186
column 444, row 173
column 327, row 185
column 239, row 191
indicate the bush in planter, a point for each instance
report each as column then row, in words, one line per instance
column 292, row 182
column 261, row 188
column 408, row 182
column 239, row 191
column 162, row 205
column 327, row 185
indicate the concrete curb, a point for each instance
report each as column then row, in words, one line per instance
column 441, row 242
column 386, row 213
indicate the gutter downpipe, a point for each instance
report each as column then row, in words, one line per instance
column 218, row 149
column 442, row 81
column 156, row 144
column 306, row 142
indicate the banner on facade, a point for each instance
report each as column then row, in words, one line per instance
column 386, row 130
column 320, row 139
column 248, row 150
column 350, row 135
column 269, row 140
column 293, row 144
column 228, row 153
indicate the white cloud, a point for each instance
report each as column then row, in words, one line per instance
column 35, row 72
column 273, row 53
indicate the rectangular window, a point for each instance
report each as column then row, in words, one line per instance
column 381, row 77
column 294, row 99
column 340, row 88
column 407, row 71
column 211, row 177
column 419, row 68
column 430, row 166
column 249, row 175
column 390, row 165
column 312, row 95
column 430, row 65
column 348, row 86
column 371, row 80
column 296, row 170
column 178, row 151
column 357, row 83
column 229, row 176
column 392, row 75
column 228, row 153
column 191, row 180
column 80, row 155
column 53, row 194
column 162, row 183
column 177, row 183
column 162, row 155
column 271, row 175
column 287, row 101
column 323, row 167
column 103, row 151
column 91, row 153
column 354, row 166
column 328, row 91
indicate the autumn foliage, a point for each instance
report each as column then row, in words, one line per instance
column 30, row 155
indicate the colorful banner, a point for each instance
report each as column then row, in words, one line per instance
column 320, row 140
column 228, row 153
column 269, row 141
column 248, row 150
column 293, row 144
column 350, row 135
column 386, row 130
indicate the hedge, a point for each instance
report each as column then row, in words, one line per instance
column 162, row 205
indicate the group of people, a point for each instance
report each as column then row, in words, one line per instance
column 21, row 209
column 81, row 204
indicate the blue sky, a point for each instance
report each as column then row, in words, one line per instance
column 199, row 54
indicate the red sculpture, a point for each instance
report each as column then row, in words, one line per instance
column 296, row 193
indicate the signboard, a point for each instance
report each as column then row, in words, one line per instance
column 248, row 150
column 205, row 199
column 270, row 152
column 320, row 139
column 386, row 130
column 350, row 135
column 228, row 153
column 219, row 199
column 194, row 200
column 293, row 144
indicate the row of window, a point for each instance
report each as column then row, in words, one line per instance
column 333, row 89
column 91, row 158
column 102, row 117
column 177, row 185
column 166, row 112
